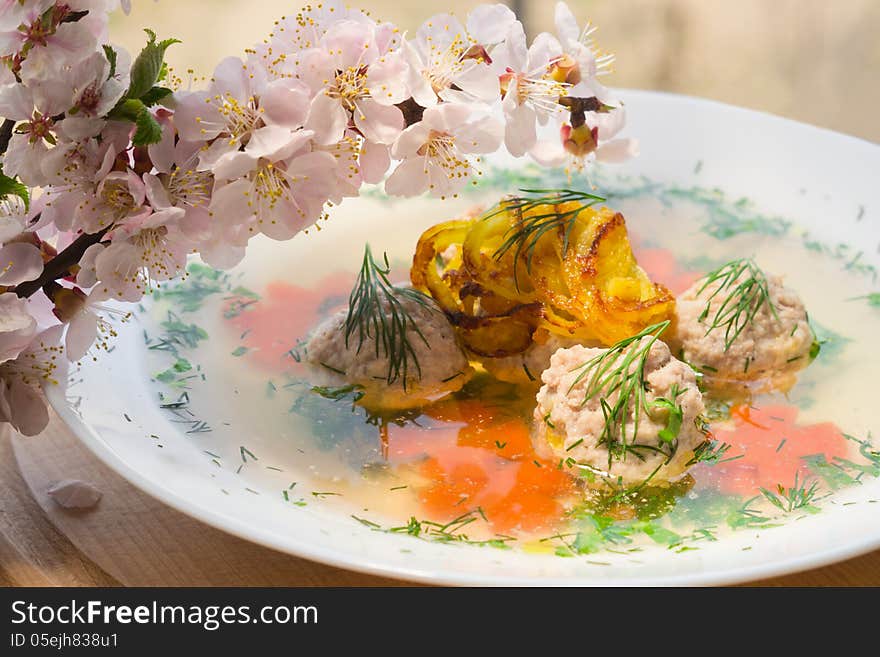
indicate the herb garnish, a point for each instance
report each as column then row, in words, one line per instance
column 621, row 369
column 673, row 420
column 525, row 234
column 376, row 311
column 712, row 452
column 747, row 293
column 796, row 497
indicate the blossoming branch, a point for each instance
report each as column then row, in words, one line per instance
column 115, row 169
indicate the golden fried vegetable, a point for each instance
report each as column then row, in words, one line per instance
column 550, row 261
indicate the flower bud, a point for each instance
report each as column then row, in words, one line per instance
column 579, row 141
column 68, row 301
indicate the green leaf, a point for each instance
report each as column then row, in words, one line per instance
column 240, row 351
column 147, row 67
column 12, row 186
column 673, row 419
column 110, row 54
column 148, row 129
column 155, row 96
column 127, row 110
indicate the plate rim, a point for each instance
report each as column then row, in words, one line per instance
column 354, row 562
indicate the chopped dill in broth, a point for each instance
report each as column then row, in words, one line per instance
column 226, row 351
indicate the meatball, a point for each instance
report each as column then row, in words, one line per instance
column 442, row 368
column 569, row 424
column 773, row 343
column 527, row 366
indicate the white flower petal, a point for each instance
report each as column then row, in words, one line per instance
column 88, row 274
column 221, row 255
column 447, row 117
column 544, row 49
column 162, row 153
column 29, row 413
column 74, row 494
column 285, row 103
column 234, row 165
column 488, row 24
column 327, row 119
column 17, row 326
column 617, row 150
column 438, row 32
column 520, row 133
column 386, row 79
column 481, row 136
column 80, row 128
column 516, row 48
column 379, row 123
column 417, row 83
column 548, row 152
column 373, row 162
column 352, row 43
column 410, row 178
column 231, row 77
column 157, row 195
column 566, row 25
column 209, row 156
column 276, row 143
column 477, row 83
column 411, row 139
column 229, row 204
column 195, row 118
column 81, row 333
column 19, row 262
column 16, row 102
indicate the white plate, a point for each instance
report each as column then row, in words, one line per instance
column 824, row 182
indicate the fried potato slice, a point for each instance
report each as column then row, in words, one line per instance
column 566, row 268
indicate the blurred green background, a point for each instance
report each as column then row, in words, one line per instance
column 811, row 60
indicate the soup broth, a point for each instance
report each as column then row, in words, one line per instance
column 464, row 468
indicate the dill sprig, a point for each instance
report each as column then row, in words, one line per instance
column 621, row 369
column 524, row 235
column 799, row 496
column 712, row 452
column 376, row 312
column 745, row 291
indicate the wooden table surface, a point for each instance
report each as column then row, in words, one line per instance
column 130, row 539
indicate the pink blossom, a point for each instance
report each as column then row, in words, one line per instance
column 30, row 142
column 88, row 320
column 277, row 198
column 579, row 44
column 43, row 45
column 239, row 104
column 93, row 92
column 119, row 196
column 17, row 326
column 446, row 63
column 354, row 83
column 74, row 169
column 294, row 34
column 435, row 150
column 21, row 403
column 575, row 146
column 13, row 217
column 530, row 93
column 177, row 181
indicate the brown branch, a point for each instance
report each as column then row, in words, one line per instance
column 59, row 266
column 6, row 134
